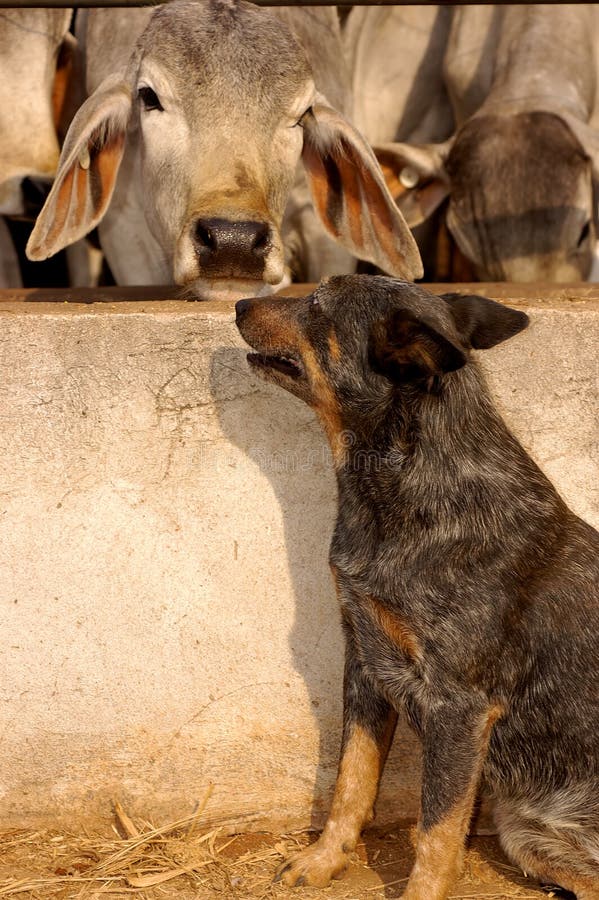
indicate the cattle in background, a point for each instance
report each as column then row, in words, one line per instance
column 395, row 58
column 36, row 56
column 187, row 156
column 521, row 169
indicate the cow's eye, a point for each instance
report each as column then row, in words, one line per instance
column 149, row 98
column 300, row 121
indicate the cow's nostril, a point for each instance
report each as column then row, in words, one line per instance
column 204, row 237
column 262, row 240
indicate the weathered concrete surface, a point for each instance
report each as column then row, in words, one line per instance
column 167, row 615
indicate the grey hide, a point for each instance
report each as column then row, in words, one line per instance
column 34, row 54
column 395, row 58
column 521, row 169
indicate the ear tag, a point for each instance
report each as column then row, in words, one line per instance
column 84, row 159
column 409, row 177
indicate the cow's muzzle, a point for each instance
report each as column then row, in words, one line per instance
column 227, row 249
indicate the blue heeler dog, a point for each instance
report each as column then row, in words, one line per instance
column 469, row 591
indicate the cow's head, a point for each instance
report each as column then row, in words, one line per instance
column 219, row 105
column 521, row 194
column 35, row 53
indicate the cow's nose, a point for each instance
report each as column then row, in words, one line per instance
column 231, row 249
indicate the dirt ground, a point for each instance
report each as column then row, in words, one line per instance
column 177, row 862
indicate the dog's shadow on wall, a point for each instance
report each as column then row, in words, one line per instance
column 282, row 437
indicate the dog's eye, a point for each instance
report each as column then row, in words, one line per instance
column 149, row 98
column 314, row 305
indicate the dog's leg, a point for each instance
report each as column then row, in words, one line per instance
column 368, row 726
column 455, row 744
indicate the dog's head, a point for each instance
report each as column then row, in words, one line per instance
column 358, row 337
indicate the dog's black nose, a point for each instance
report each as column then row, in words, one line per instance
column 241, row 307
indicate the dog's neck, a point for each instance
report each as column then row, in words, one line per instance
column 431, row 423
column 439, row 462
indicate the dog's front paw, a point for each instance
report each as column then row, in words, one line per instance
column 315, row 866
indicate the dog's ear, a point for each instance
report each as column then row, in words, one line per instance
column 481, row 322
column 404, row 348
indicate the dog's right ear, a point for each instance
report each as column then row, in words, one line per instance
column 481, row 322
column 403, row 348
column 87, row 171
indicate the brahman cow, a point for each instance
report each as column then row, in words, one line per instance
column 36, row 53
column 521, row 169
column 186, row 156
column 395, row 58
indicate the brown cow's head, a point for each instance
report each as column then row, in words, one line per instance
column 521, row 194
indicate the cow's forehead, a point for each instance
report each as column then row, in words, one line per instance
column 525, row 160
column 218, row 42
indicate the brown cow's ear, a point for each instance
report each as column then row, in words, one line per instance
column 416, row 177
column 87, row 170
column 350, row 194
column 404, row 348
column 481, row 322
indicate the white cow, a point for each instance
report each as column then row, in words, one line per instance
column 36, row 52
column 186, row 155
column 521, row 170
column 395, row 58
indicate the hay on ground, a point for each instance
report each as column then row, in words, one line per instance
column 184, row 860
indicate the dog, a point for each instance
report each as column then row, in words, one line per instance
column 469, row 591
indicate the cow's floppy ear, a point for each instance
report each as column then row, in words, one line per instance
column 416, row 177
column 350, row 194
column 87, row 170
column 404, row 348
column 481, row 322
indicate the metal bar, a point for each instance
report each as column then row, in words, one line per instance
column 87, row 4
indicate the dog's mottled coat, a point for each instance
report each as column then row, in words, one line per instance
column 469, row 591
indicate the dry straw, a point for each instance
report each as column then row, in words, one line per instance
column 183, row 860
column 136, row 860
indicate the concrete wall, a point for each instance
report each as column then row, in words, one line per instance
column 166, row 610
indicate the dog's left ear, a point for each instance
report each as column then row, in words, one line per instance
column 481, row 322
column 404, row 348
